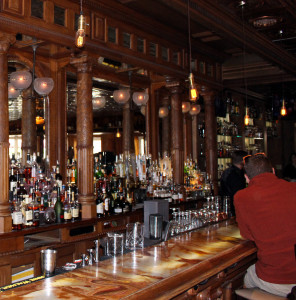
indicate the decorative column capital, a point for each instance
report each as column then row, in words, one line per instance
column 174, row 85
column 83, row 63
column 6, row 40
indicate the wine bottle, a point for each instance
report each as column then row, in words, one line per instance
column 59, row 209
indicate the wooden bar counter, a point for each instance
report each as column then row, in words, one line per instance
column 208, row 262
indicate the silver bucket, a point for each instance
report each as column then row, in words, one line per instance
column 48, row 262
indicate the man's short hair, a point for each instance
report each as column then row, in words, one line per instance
column 237, row 156
column 257, row 164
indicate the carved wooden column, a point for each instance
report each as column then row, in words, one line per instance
column 187, row 135
column 5, row 216
column 56, row 114
column 128, row 129
column 176, row 133
column 165, row 123
column 29, row 134
column 154, row 123
column 211, row 138
column 194, row 138
column 85, row 136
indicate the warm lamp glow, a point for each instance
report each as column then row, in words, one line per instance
column 247, row 118
column 12, row 92
column 195, row 110
column 118, row 135
column 21, row 80
column 121, row 96
column 193, row 92
column 140, row 98
column 283, row 109
column 163, row 112
column 39, row 120
column 80, row 34
column 43, row 86
column 185, row 107
column 99, row 102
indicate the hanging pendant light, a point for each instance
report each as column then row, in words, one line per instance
column 247, row 118
column 192, row 89
column 21, row 80
column 121, row 96
column 43, row 86
column 185, row 107
column 140, row 98
column 118, row 135
column 283, row 109
column 163, row 112
column 99, row 102
column 80, row 34
column 194, row 110
column 12, row 91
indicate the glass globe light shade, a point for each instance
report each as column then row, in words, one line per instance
column 140, row 98
column 21, row 80
column 121, row 96
column 99, row 102
column 163, row 112
column 12, row 91
column 143, row 110
column 194, row 110
column 185, row 107
column 43, row 86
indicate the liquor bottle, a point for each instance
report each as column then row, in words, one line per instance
column 73, row 173
column 22, row 193
column 27, row 212
column 106, row 200
column 67, row 209
column 111, row 198
column 34, row 168
column 59, row 209
column 34, row 206
column 12, row 184
column 100, row 204
column 17, row 216
column 118, row 207
column 58, row 176
column 75, row 207
column 28, row 169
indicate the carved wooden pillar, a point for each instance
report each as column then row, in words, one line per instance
column 194, row 138
column 128, row 129
column 148, row 125
column 211, row 138
column 56, row 115
column 85, row 136
column 29, row 134
column 187, row 135
column 176, row 133
column 165, row 122
column 5, row 216
column 154, row 123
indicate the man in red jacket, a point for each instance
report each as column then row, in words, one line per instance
column 266, row 214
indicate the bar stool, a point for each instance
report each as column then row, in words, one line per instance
column 257, row 294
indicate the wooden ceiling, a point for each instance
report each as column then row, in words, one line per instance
column 256, row 40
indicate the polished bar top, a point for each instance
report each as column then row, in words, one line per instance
column 188, row 258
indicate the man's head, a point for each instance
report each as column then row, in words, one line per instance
column 237, row 158
column 257, row 164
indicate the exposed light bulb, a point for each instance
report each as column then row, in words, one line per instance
column 193, row 91
column 283, row 109
column 118, row 135
column 80, row 34
column 247, row 118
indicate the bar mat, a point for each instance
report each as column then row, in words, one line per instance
column 20, row 283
